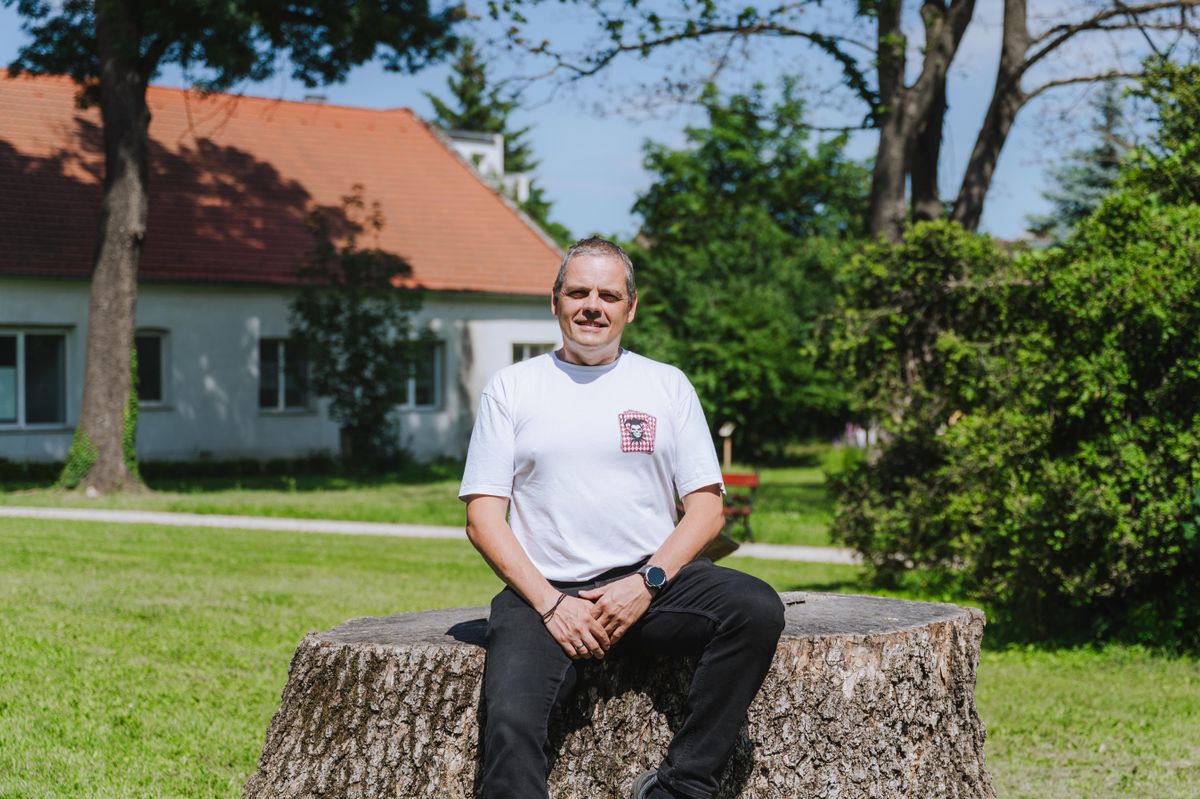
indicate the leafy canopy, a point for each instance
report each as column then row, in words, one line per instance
column 740, row 229
column 223, row 43
column 1038, row 412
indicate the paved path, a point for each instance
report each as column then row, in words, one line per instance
column 764, row 551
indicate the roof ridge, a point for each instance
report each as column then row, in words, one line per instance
column 256, row 98
column 7, row 74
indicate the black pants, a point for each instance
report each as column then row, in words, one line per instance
column 730, row 620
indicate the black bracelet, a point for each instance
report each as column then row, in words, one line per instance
column 548, row 615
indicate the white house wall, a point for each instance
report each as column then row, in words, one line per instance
column 210, row 379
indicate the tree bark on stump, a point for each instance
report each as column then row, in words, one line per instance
column 866, row 697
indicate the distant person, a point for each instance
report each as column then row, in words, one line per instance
column 571, row 478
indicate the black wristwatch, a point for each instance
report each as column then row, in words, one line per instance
column 655, row 576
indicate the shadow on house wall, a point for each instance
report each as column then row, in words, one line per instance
column 218, row 215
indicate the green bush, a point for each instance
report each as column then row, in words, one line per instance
column 1040, row 414
column 1040, row 422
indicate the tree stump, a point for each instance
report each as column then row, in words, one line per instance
column 866, row 697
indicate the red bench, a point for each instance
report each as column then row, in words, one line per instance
column 739, row 501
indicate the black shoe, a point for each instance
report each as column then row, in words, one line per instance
column 643, row 785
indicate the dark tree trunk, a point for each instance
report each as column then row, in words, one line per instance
column 123, row 211
column 1007, row 99
column 911, row 117
column 886, row 209
column 927, row 150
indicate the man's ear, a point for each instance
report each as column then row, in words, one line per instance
column 632, row 310
column 553, row 303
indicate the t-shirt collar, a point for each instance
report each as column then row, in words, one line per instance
column 580, row 370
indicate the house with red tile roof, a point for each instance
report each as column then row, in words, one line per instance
column 233, row 181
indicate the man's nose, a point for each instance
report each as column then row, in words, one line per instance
column 592, row 302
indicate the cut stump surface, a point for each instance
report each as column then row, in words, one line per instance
column 866, row 697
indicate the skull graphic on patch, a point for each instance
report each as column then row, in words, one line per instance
column 637, row 431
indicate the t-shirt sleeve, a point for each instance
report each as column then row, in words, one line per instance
column 696, row 463
column 489, row 468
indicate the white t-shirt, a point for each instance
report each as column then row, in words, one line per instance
column 591, row 458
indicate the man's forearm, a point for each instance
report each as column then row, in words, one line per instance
column 498, row 544
column 701, row 522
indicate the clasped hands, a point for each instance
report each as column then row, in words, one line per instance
column 588, row 625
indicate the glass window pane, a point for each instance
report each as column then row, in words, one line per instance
column 8, row 379
column 149, row 360
column 295, row 375
column 523, row 351
column 45, row 389
column 268, row 374
column 425, row 375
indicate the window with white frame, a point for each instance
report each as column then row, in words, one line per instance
column 424, row 386
column 282, row 375
column 523, row 352
column 151, row 366
column 33, row 378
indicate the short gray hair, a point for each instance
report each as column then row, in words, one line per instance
column 594, row 245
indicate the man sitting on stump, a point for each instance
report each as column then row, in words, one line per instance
column 574, row 465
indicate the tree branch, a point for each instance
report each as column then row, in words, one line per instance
column 1103, row 76
column 830, row 44
column 1057, row 35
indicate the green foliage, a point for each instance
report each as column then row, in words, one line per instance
column 1039, row 421
column 1089, row 174
column 221, row 44
column 1039, row 414
column 482, row 107
column 1169, row 166
column 129, row 434
column 740, row 230
column 80, row 459
column 83, row 453
column 353, row 314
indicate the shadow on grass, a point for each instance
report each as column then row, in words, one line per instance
column 830, row 586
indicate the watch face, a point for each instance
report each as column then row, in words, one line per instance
column 656, row 577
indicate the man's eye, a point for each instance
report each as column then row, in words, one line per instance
column 611, row 297
column 577, row 295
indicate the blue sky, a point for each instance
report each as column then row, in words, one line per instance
column 591, row 159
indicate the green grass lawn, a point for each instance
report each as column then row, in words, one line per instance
column 426, row 495
column 142, row 661
column 790, row 507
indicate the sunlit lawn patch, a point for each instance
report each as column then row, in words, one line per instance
column 144, row 661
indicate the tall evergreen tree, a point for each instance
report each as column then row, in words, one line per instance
column 477, row 105
column 1088, row 175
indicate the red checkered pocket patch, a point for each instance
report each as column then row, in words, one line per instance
column 637, row 431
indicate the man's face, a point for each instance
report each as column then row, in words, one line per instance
column 593, row 308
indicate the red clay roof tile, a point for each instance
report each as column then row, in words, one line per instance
column 232, row 181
